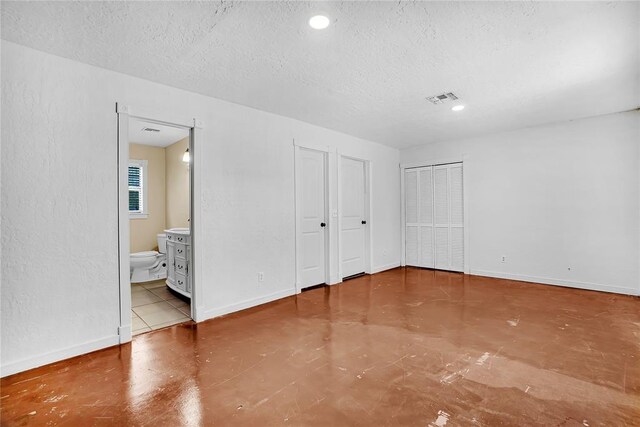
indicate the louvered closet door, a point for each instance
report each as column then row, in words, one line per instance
column 411, row 216
column 448, row 209
column 425, row 216
column 419, row 217
column 441, row 202
column 456, row 221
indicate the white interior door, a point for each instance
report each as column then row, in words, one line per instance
column 412, row 254
column 425, row 217
column 441, row 202
column 456, row 218
column 311, row 252
column 352, row 217
column 449, row 224
column 419, row 217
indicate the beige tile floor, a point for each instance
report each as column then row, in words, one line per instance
column 153, row 306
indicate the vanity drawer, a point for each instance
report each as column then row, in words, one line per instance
column 178, row 238
column 180, row 251
column 182, row 266
column 181, row 281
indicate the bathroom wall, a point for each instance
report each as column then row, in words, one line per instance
column 59, row 191
column 144, row 230
column 177, row 185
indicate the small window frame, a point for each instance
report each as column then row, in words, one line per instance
column 143, row 165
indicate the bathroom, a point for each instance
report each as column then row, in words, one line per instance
column 159, row 211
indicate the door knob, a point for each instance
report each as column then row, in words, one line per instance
column 364, row 222
column 322, row 224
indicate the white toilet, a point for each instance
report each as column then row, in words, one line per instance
column 150, row 265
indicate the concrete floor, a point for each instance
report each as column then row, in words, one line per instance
column 403, row 347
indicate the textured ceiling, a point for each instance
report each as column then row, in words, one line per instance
column 166, row 136
column 514, row 64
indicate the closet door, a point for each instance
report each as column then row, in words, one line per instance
column 456, row 221
column 448, row 209
column 411, row 217
column 441, row 202
column 425, row 216
column 352, row 220
column 419, row 217
column 311, row 253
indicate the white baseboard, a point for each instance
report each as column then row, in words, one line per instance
column 556, row 282
column 125, row 334
column 334, row 280
column 58, row 355
column 242, row 305
column 382, row 268
column 77, row 350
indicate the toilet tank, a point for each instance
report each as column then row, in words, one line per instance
column 162, row 243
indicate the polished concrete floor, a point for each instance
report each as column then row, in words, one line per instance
column 154, row 306
column 403, row 347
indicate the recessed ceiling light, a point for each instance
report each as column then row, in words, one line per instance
column 319, row 22
column 457, row 108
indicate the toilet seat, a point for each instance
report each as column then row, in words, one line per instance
column 144, row 254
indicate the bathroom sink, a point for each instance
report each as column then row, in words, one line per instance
column 179, row 230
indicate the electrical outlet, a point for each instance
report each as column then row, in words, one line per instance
column 261, row 277
column 504, row 258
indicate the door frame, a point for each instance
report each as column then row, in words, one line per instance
column 464, row 159
column 330, row 221
column 368, row 209
column 124, row 113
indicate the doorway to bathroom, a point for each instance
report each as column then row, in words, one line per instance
column 156, row 165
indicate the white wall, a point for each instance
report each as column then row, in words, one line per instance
column 551, row 198
column 177, row 207
column 59, row 202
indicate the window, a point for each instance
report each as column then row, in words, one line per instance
column 138, row 189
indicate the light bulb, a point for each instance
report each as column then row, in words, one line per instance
column 319, row 22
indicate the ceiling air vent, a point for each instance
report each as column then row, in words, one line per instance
column 440, row 99
column 150, row 130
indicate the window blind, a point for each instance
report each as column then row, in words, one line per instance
column 135, row 189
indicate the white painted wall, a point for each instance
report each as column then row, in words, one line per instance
column 553, row 197
column 59, row 202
